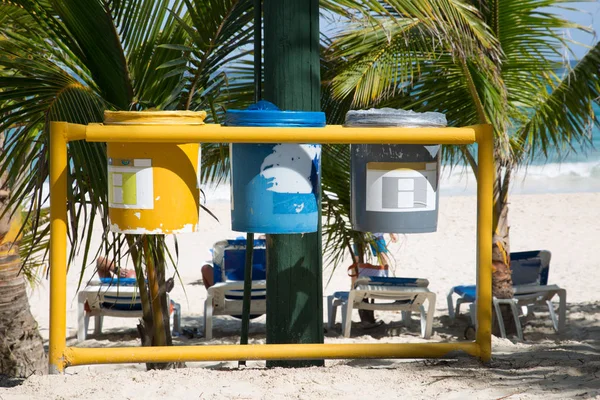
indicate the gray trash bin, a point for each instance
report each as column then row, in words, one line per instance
column 394, row 187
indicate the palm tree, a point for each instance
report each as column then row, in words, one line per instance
column 21, row 347
column 70, row 60
column 510, row 82
column 67, row 60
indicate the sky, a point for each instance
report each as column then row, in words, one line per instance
column 588, row 15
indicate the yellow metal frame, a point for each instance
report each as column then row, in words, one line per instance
column 61, row 133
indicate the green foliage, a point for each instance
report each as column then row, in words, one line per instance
column 476, row 61
column 67, row 60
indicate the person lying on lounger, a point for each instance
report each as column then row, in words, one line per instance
column 108, row 269
column 208, row 275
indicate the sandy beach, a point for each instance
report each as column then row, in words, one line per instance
column 544, row 365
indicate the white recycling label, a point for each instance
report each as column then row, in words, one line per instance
column 401, row 186
column 130, row 183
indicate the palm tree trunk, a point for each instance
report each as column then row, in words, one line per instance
column 21, row 347
column 154, row 328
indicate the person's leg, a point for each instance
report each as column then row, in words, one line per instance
column 380, row 249
column 385, row 258
column 208, row 276
column 104, row 267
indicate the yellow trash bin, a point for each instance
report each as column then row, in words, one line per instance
column 153, row 188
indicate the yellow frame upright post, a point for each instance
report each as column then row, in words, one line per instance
column 58, row 246
column 485, row 205
column 61, row 133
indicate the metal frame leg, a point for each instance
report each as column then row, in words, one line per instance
column 407, row 318
column 176, row 328
column 515, row 311
column 423, row 322
column 499, row 318
column 430, row 312
column 208, row 317
column 562, row 310
column 82, row 321
column 98, row 320
column 459, row 302
column 450, row 303
column 473, row 314
column 347, row 307
column 331, row 311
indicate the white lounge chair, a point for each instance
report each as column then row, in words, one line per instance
column 225, row 297
column 113, row 298
column 401, row 294
column 530, row 285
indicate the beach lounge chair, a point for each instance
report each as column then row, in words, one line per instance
column 399, row 294
column 225, row 297
column 530, row 284
column 108, row 297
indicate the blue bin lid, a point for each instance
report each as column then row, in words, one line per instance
column 265, row 113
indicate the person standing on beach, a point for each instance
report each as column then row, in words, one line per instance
column 380, row 250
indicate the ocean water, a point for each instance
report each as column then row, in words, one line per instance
column 573, row 172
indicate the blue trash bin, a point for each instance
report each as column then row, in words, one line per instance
column 274, row 187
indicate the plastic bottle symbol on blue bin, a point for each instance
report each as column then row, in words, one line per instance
column 274, row 186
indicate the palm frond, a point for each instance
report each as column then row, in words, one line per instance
column 91, row 28
column 566, row 115
column 218, row 33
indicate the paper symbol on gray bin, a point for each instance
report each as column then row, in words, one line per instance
column 401, row 187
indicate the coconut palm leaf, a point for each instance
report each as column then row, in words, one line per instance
column 217, row 35
column 91, row 28
column 34, row 247
column 565, row 115
column 53, row 66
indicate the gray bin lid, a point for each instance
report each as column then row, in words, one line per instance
column 394, row 117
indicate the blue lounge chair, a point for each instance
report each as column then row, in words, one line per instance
column 400, row 294
column 530, row 284
column 108, row 297
column 225, row 297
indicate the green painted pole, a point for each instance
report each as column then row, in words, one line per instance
column 294, row 266
column 247, row 291
column 250, row 236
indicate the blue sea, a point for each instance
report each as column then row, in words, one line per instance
column 575, row 171
column 572, row 171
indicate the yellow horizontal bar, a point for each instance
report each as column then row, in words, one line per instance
column 114, row 355
column 212, row 133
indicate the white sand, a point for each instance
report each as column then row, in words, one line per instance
column 544, row 365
